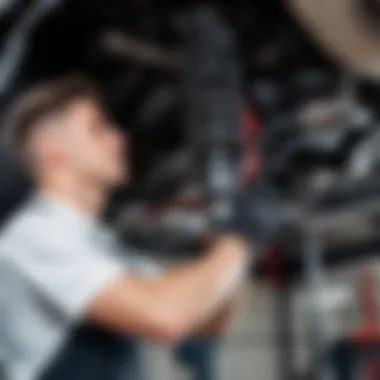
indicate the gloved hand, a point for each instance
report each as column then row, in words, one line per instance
column 258, row 214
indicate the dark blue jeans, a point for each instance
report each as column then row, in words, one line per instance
column 348, row 358
column 96, row 354
column 199, row 356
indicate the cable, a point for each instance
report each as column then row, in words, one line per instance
column 16, row 43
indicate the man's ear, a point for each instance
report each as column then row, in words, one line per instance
column 48, row 146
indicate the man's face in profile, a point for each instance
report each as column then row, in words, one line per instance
column 93, row 147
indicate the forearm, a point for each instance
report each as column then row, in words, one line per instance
column 175, row 303
column 218, row 324
column 196, row 292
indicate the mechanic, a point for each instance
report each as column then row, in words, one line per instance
column 72, row 304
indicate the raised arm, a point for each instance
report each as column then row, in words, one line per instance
column 169, row 307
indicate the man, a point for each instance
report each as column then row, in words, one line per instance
column 70, row 306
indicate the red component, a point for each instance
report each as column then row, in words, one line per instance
column 250, row 170
column 369, row 333
column 273, row 266
column 368, row 296
column 251, row 160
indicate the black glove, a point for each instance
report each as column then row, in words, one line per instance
column 258, row 214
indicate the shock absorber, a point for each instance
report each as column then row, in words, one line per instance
column 212, row 88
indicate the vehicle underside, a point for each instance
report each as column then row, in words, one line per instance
column 317, row 118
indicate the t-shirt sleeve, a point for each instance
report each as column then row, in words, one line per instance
column 68, row 273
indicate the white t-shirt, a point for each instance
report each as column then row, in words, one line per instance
column 53, row 261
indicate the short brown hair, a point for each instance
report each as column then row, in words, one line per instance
column 41, row 101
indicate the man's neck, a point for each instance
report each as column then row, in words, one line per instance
column 89, row 200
